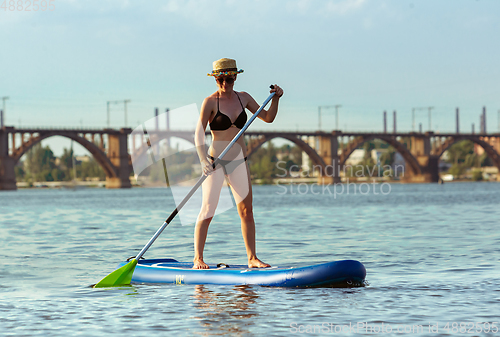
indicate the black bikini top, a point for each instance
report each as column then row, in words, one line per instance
column 223, row 122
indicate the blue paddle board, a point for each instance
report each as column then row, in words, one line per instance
column 337, row 273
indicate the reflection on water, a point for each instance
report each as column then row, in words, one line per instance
column 230, row 310
column 125, row 290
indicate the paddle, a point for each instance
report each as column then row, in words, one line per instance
column 123, row 275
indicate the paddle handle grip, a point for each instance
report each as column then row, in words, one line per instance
column 203, row 177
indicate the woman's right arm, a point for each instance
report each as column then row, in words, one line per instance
column 199, row 135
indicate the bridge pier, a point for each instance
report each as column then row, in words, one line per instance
column 328, row 151
column 430, row 171
column 119, row 157
column 421, row 150
column 7, row 164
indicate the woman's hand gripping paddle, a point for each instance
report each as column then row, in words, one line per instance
column 123, row 275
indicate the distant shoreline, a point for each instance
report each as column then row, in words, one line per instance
column 256, row 182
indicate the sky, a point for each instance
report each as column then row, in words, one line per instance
column 59, row 67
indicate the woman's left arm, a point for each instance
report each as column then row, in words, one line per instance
column 269, row 115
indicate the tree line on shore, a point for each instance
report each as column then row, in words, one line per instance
column 264, row 162
column 463, row 158
column 460, row 158
column 40, row 163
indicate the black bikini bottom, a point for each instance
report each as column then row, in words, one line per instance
column 230, row 165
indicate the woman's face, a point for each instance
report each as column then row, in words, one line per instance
column 226, row 83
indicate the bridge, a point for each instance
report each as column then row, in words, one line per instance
column 110, row 148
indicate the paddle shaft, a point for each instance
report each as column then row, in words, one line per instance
column 202, row 179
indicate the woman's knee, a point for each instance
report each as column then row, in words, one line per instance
column 206, row 212
column 202, row 224
column 245, row 210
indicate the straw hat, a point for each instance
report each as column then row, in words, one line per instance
column 224, row 66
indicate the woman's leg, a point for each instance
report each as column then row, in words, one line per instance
column 211, row 190
column 241, row 186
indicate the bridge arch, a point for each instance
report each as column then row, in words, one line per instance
column 97, row 153
column 410, row 160
column 313, row 155
column 490, row 151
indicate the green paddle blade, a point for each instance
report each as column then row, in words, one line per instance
column 121, row 276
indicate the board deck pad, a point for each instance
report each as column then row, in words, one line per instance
column 336, row 273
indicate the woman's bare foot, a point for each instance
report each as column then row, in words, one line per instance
column 199, row 264
column 256, row 263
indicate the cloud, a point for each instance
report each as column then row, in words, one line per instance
column 331, row 7
column 201, row 13
column 344, row 7
column 299, row 6
column 227, row 15
column 172, row 6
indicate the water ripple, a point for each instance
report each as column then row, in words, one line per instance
column 431, row 251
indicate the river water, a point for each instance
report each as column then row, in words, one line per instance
column 432, row 254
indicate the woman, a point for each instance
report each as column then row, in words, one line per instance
column 225, row 111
